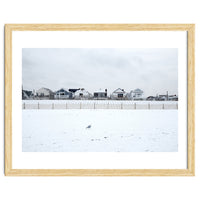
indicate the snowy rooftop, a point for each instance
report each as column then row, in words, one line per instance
column 100, row 91
column 119, row 90
column 138, row 91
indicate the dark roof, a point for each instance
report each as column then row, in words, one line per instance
column 74, row 90
column 151, row 97
column 62, row 90
column 28, row 93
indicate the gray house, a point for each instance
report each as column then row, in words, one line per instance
column 151, row 98
column 100, row 94
column 45, row 93
column 119, row 94
column 136, row 94
column 82, row 94
column 63, row 94
column 173, row 98
column 27, row 95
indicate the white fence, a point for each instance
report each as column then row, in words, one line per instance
column 101, row 105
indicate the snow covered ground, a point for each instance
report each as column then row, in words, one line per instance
column 110, row 131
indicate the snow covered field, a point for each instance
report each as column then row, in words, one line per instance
column 110, row 131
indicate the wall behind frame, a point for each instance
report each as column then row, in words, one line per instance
column 63, row 11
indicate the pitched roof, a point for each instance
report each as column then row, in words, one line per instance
column 65, row 90
column 82, row 90
column 47, row 89
column 119, row 90
column 73, row 90
column 138, row 91
column 27, row 93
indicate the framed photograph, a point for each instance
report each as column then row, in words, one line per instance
column 99, row 99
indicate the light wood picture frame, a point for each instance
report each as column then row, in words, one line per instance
column 190, row 171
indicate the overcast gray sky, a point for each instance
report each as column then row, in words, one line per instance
column 154, row 70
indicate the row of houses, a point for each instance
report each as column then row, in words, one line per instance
column 163, row 98
column 81, row 93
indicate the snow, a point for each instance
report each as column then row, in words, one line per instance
column 99, row 130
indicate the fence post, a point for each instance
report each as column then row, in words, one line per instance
column 135, row 106
column 38, row 105
column 52, row 105
column 108, row 105
column 163, row 106
column 80, row 105
column 121, row 106
column 94, row 105
column 149, row 106
column 66, row 105
column 177, row 106
column 24, row 106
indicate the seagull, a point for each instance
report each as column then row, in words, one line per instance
column 89, row 126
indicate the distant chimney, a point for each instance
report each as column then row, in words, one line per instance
column 105, row 90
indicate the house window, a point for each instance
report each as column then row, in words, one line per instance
column 81, row 94
column 95, row 94
column 120, row 95
column 102, row 95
